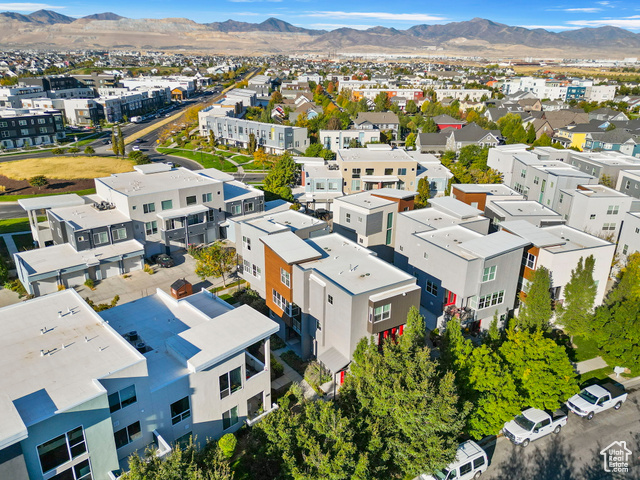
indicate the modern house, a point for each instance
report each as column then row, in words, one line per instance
column 322, row 182
column 629, row 240
column 336, row 139
column 479, row 195
column 528, row 210
column 150, row 373
column 629, row 183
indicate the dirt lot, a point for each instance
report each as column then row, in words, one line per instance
column 22, row 187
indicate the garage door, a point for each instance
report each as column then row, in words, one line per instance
column 110, row 270
column 48, row 285
column 73, row 279
column 132, row 264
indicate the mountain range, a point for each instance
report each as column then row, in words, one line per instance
column 46, row 28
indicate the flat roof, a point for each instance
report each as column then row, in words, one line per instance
column 537, row 236
column 47, row 373
column 354, row 268
column 84, row 217
column 520, row 208
column 488, row 188
column 51, row 201
column 599, row 191
column 234, row 191
column 493, row 244
column 291, row 248
column 189, row 334
column 365, row 200
column 574, row 239
column 373, row 155
column 58, row 257
column 136, row 183
column 451, row 239
column 182, row 212
column 454, row 207
column 286, row 219
column 434, row 218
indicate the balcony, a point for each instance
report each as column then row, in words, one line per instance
column 253, row 366
column 466, row 315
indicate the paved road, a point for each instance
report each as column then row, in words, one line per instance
column 11, row 210
column 574, row 453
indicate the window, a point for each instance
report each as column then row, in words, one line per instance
column 24, row 131
column 609, row 226
column 390, row 220
column 236, row 209
column 230, row 382
column 100, row 238
column 347, row 217
column 330, row 299
column 388, row 171
column 127, row 435
column 42, row 121
column 368, row 171
column 478, row 462
column 43, row 129
column 389, row 235
column 355, row 172
column 431, row 288
column 246, row 243
column 119, row 233
column 149, row 207
column 248, row 207
column 122, row 398
column 490, row 300
column 625, row 249
column 256, row 271
column 355, row 185
column 489, row 274
column 613, row 210
column 5, row 134
column 191, row 200
column 3, row 124
column 359, row 219
column 523, row 173
column 319, row 185
column 211, row 215
column 183, row 441
column 180, row 410
column 592, row 216
column 464, row 469
column 402, row 171
column 285, row 277
column 229, row 418
column 279, row 300
column 561, row 198
column 81, row 471
column 151, row 227
column 61, row 449
column 382, row 312
column 167, row 204
column 529, row 260
column 536, row 180
column 207, row 197
column 22, row 123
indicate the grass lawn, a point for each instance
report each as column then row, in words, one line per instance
column 17, row 224
column 23, row 241
column 65, row 167
column 242, row 159
column 205, row 159
column 226, row 154
column 586, row 349
column 594, row 376
column 254, row 166
column 15, row 198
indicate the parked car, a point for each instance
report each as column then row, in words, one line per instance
column 163, row 260
column 471, row 461
column 139, row 140
column 323, row 214
column 135, row 148
column 597, row 398
column 533, row 424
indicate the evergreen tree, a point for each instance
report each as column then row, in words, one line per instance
column 423, row 195
column 531, row 134
column 535, row 310
column 576, row 313
column 120, row 142
column 543, row 141
column 252, row 143
column 114, row 142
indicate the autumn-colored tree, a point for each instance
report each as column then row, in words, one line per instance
column 215, row 261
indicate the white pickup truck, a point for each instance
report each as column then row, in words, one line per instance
column 597, row 398
column 532, row 424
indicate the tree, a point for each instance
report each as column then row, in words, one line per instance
column 260, row 157
column 606, row 180
column 423, row 195
column 429, row 126
column 575, row 314
column 114, row 142
column 212, row 139
column 543, row 141
column 215, row 261
column 313, row 150
column 120, row 142
column 410, row 141
column 283, row 174
column 191, row 115
column 276, row 97
column 616, row 330
column 38, row 181
column 89, row 150
column 382, row 102
column 252, row 143
column 535, row 311
column 73, row 150
column 628, row 284
column 411, row 107
column 531, row 134
column 334, row 124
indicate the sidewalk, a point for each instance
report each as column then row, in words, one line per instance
column 590, row 365
column 290, row 376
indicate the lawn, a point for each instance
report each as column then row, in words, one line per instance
column 242, row 159
column 226, row 154
column 15, row 198
column 17, row 224
column 255, row 166
column 205, row 159
column 23, row 241
column 65, row 167
column 586, row 349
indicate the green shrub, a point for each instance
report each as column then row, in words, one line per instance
column 277, row 369
column 316, row 374
column 89, row 283
column 58, row 151
column 276, row 342
column 294, row 361
column 228, row 444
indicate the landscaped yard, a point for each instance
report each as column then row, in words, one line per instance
column 17, row 224
column 586, row 349
column 242, row 159
column 65, row 167
column 205, row 159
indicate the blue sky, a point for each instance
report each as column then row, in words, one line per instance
column 357, row 14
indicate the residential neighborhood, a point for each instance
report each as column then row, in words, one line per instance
column 314, row 266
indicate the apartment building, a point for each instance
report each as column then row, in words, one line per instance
column 503, row 157
column 11, row 97
column 273, row 138
column 629, row 240
column 336, row 139
column 377, row 166
column 461, row 94
column 90, row 242
column 430, row 167
column 596, row 209
column 322, row 182
column 603, row 165
column 527, row 210
column 558, row 248
column 26, row 127
column 629, row 183
column 149, row 373
column 369, row 218
column 479, row 195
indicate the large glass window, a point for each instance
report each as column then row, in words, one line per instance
column 207, row 197
column 490, row 300
column 489, row 273
column 122, row 398
column 230, row 382
column 180, row 410
column 149, row 207
column 119, row 233
column 151, row 227
column 100, row 238
column 81, row 471
column 236, row 209
column 285, row 277
column 191, row 200
column 61, row 449
column 128, row 434
column 383, row 312
column 529, row 260
column 167, row 204
column 229, row 418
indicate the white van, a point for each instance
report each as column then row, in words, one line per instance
column 470, row 462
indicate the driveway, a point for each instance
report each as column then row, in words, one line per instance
column 575, row 452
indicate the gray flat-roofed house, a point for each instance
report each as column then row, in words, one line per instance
column 104, row 386
column 529, row 210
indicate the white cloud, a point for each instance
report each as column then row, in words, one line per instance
column 28, row 7
column 583, row 10
column 333, row 26
column 632, row 22
column 406, row 17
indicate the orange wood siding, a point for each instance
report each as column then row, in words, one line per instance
column 272, row 265
column 469, row 198
column 402, row 204
column 528, row 272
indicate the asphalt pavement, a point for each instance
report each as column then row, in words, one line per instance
column 11, row 210
column 575, row 452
